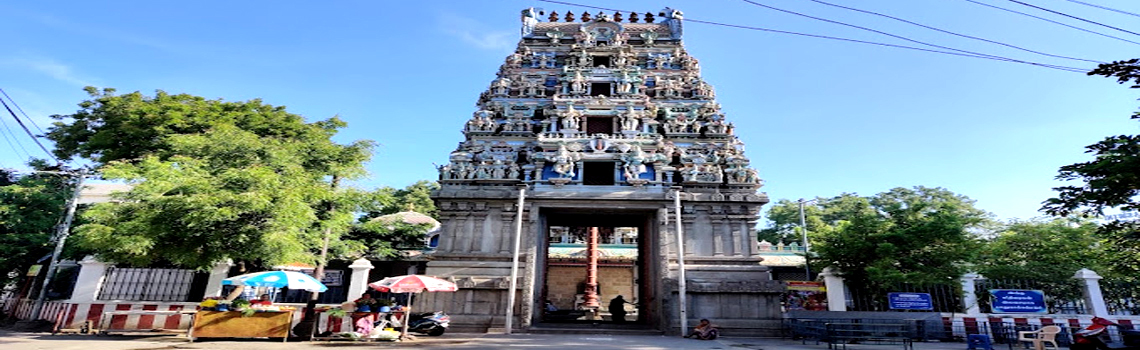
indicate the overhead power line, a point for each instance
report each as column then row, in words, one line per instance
column 1073, row 17
column 25, row 114
column 13, row 141
column 1052, row 21
column 953, row 33
column 1104, row 8
column 29, row 132
column 909, row 39
column 1069, row 69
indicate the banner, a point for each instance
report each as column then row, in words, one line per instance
column 805, row 295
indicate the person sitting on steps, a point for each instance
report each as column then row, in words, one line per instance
column 704, row 331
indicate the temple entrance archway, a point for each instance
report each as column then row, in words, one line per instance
column 581, row 289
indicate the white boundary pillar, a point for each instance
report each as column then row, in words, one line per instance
column 1094, row 298
column 89, row 281
column 969, row 297
column 358, row 282
column 836, row 300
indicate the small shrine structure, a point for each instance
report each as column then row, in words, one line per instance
column 601, row 120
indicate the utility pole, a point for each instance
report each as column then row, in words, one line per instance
column 62, row 231
column 515, row 261
column 803, row 227
column 681, row 283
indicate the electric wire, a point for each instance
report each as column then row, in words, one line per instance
column 1104, row 8
column 1063, row 68
column 1073, row 17
column 10, row 140
column 906, row 38
column 29, row 132
column 25, row 114
column 1050, row 21
column 953, row 33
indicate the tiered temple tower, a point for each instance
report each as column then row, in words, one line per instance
column 602, row 119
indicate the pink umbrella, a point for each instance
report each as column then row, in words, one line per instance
column 412, row 284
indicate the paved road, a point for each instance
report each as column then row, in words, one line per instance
column 469, row 341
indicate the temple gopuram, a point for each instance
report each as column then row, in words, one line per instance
column 599, row 122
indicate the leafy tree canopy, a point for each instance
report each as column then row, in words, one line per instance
column 384, row 239
column 30, row 207
column 111, row 127
column 1110, row 180
column 1042, row 250
column 212, row 180
column 914, row 235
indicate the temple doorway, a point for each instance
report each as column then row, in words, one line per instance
column 591, row 260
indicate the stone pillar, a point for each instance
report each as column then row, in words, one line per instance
column 836, row 300
column 969, row 298
column 477, row 232
column 89, row 281
column 1091, row 290
column 446, row 233
column 358, row 282
column 718, row 233
column 214, row 283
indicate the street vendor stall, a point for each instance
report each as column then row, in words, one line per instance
column 252, row 320
column 412, row 284
column 235, row 324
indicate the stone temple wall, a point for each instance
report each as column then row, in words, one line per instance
column 596, row 117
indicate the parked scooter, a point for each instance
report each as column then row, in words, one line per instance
column 430, row 323
column 1096, row 337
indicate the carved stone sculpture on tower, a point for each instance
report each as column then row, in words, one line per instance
column 571, row 118
column 631, row 121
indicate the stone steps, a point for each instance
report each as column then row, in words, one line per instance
column 591, row 329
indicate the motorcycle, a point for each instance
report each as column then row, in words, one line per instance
column 430, row 323
column 1096, row 337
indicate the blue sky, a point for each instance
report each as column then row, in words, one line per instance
column 819, row 117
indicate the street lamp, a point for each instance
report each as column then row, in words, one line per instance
column 803, row 227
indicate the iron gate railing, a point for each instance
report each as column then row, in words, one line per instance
column 147, row 284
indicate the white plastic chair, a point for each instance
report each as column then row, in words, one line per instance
column 1040, row 337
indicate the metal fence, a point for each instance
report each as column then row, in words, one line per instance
column 1121, row 297
column 149, row 284
column 1062, row 296
column 944, row 297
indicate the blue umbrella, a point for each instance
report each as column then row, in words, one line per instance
column 278, row 279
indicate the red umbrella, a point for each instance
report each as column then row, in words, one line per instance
column 412, row 284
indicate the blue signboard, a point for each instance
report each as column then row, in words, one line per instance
column 1019, row 301
column 910, row 301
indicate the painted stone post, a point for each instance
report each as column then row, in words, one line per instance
column 1094, row 298
column 89, row 281
column 358, row 282
column 591, row 298
column 969, row 296
column 214, row 283
column 836, row 301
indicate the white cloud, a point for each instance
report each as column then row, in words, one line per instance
column 477, row 34
column 52, row 68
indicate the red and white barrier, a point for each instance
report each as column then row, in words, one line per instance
column 74, row 315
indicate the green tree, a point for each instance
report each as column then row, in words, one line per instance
column 783, row 219
column 918, row 235
column 1043, row 250
column 385, row 239
column 30, row 207
column 212, row 180
column 110, row 127
column 415, row 197
column 1110, row 180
